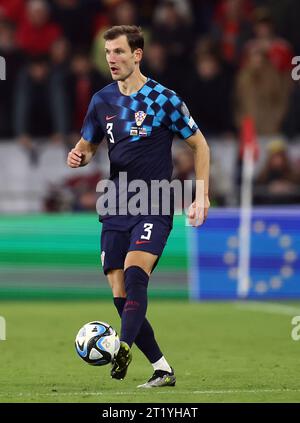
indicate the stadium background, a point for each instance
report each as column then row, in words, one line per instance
column 227, row 59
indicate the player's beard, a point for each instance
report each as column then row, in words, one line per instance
column 124, row 76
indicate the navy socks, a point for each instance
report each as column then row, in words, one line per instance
column 132, row 310
column 119, row 303
column 145, row 339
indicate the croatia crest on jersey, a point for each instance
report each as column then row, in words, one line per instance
column 140, row 117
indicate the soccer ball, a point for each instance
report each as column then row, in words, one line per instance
column 97, row 343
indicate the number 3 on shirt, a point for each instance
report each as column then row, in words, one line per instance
column 109, row 127
column 147, row 228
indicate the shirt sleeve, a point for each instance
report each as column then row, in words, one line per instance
column 91, row 129
column 181, row 121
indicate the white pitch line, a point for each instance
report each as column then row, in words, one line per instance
column 266, row 307
column 246, row 391
column 145, row 391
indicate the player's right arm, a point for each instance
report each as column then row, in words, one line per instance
column 82, row 153
column 91, row 136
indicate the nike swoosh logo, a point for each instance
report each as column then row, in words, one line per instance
column 141, row 242
column 110, row 117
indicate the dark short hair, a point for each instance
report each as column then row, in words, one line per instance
column 133, row 33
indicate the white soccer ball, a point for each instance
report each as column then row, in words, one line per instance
column 97, row 343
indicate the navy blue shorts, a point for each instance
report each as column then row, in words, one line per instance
column 141, row 233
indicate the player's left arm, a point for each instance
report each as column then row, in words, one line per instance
column 198, row 211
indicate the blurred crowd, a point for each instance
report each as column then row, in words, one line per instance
column 226, row 58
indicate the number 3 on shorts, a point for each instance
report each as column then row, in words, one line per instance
column 147, row 228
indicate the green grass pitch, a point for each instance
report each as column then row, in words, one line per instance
column 221, row 352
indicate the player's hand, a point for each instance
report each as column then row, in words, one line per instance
column 75, row 158
column 197, row 214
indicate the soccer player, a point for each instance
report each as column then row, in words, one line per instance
column 139, row 117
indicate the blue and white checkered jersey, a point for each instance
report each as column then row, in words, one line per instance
column 139, row 129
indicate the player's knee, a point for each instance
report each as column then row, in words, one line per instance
column 140, row 259
column 136, row 279
column 134, row 263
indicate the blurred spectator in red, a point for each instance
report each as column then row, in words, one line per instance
column 286, row 16
column 278, row 50
column 232, row 27
column 36, row 32
column 278, row 182
column 12, row 10
column 260, row 93
column 38, row 105
column 14, row 60
column 209, row 91
column 83, row 81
